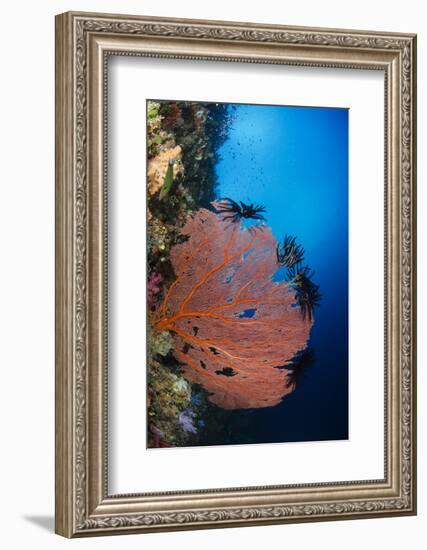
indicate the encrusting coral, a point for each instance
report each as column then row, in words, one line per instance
column 232, row 324
column 154, row 287
column 157, row 168
column 167, row 398
column 186, row 421
column 160, row 343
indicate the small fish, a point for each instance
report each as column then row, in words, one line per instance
column 168, row 181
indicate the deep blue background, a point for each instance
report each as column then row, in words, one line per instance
column 294, row 161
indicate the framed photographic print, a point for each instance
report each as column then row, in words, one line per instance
column 235, row 274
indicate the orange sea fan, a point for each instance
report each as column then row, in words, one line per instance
column 232, row 324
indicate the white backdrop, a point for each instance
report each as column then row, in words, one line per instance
column 26, row 275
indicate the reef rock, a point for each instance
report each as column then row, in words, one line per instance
column 158, row 166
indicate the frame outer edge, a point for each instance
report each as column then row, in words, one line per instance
column 73, row 517
column 64, row 237
column 413, row 160
column 415, row 266
column 248, row 25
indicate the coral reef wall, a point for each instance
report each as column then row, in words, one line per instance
column 182, row 149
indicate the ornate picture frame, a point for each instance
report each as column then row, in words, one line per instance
column 84, row 43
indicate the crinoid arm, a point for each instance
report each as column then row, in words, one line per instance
column 226, row 205
column 256, row 227
column 302, row 361
column 252, row 211
column 233, row 217
column 258, row 208
column 306, row 292
column 258, row 217
column 233, row 212
column 289, row 253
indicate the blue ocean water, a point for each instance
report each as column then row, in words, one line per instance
column 294, row 161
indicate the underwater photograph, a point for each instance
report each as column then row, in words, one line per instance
column 247, row 274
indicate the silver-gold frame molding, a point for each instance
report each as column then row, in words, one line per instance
column 83, row 43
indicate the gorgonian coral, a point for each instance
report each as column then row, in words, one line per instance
column 231, row 322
